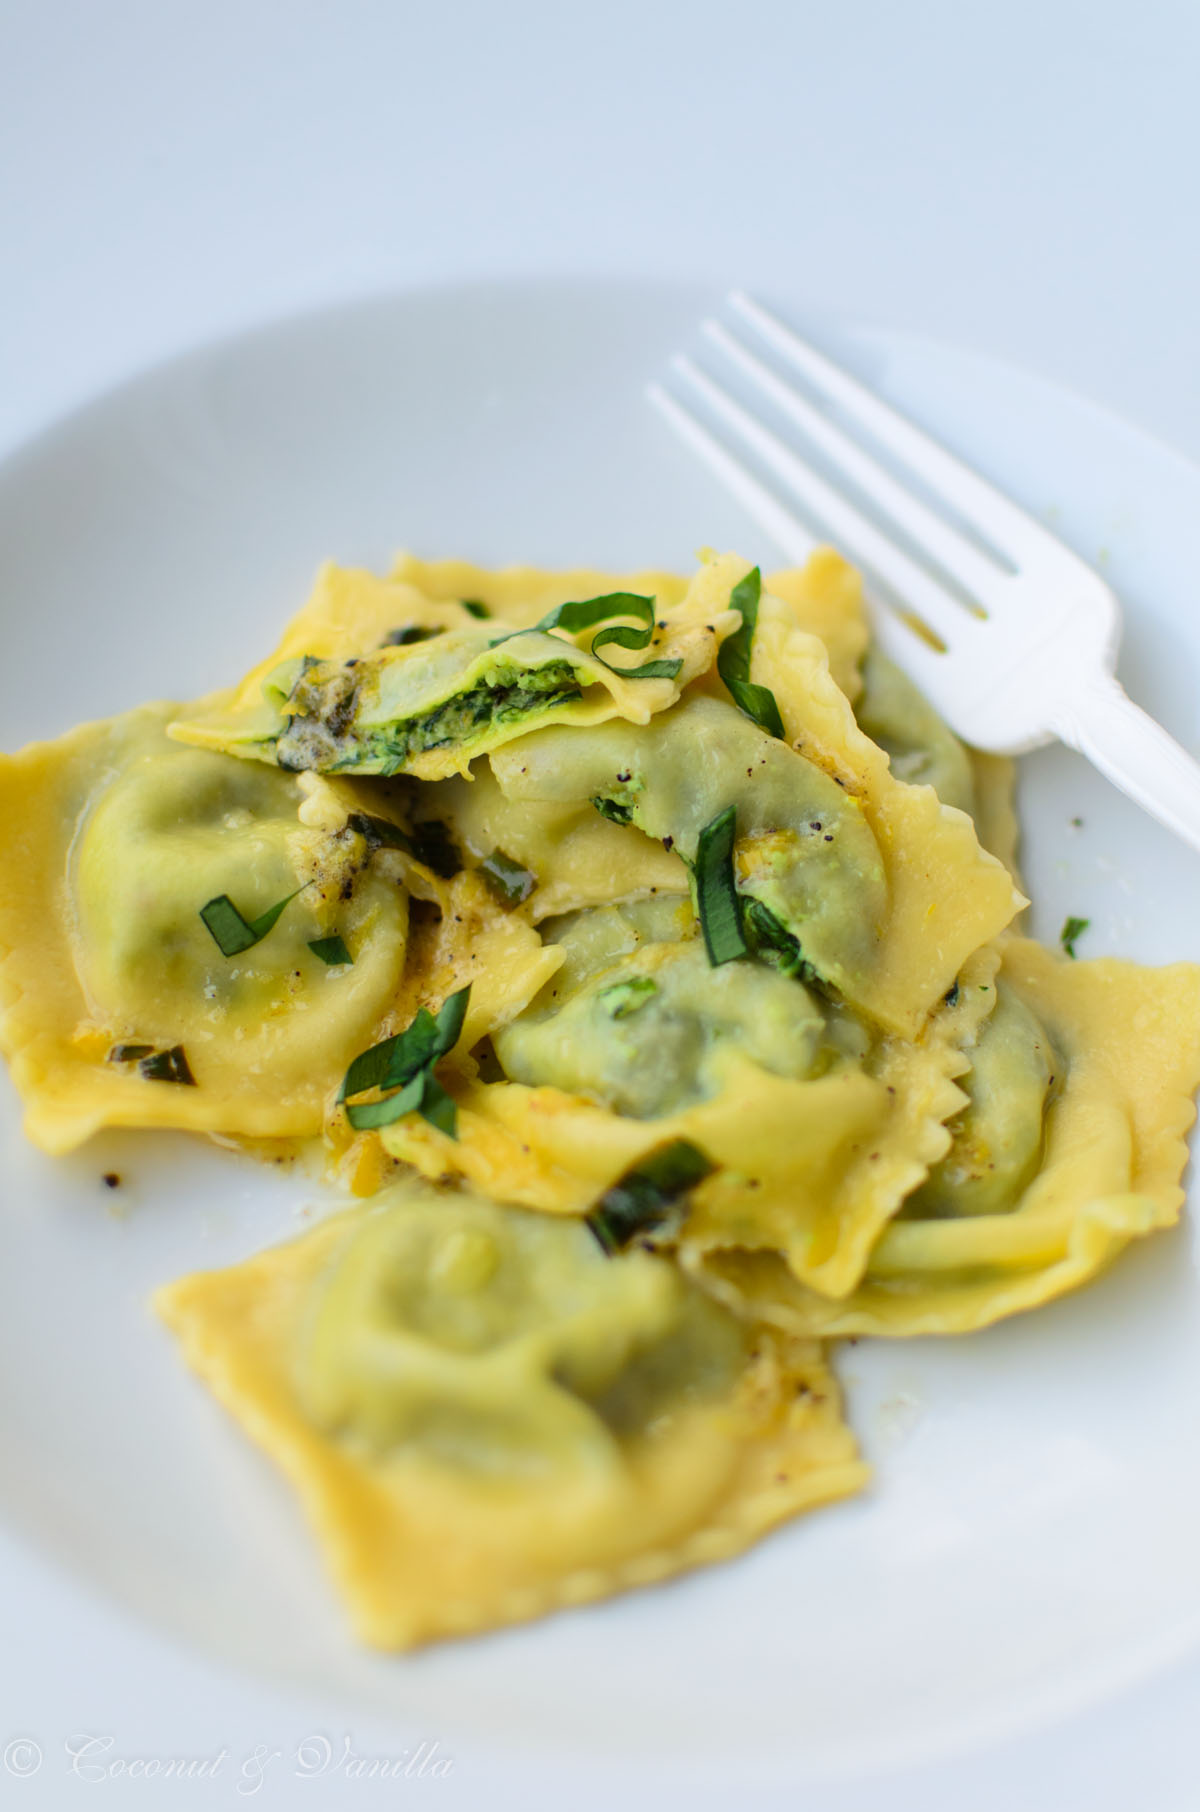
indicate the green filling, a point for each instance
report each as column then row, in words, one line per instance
column 922, row 750
column 804, row 848
column 503, row 1343
column 509, row 880
column 999, row 1135
column 644, row 1197
column 322, row 733
column 638, row 1019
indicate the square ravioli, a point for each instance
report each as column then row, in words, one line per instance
column 487, row 1418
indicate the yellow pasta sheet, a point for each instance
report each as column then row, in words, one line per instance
column 115, row 838
column 486, row 1419
column 446, row 653
column 811, row 1169
column 1110, row 1170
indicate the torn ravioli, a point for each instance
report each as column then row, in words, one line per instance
column 819, row 1127
column 427, row 706
column 487, row 1419
column 115, row 839
column 1123, row 1046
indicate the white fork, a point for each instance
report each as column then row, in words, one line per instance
column 1023, row 650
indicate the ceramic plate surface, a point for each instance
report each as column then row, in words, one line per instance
column 1028, row 1552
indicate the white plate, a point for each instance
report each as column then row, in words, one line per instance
column 1029, row 1551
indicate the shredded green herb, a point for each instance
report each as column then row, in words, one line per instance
column 644, row 1197
column 951, row 996
column 625, row 998
column 380, row 833
column 430, row 843
column 438, row 1107
column 1072, row 928
column 733, row 660
column 474, row 608
column 511, row 880
column 409, row 634
column 616, row 814
column 585, row 613
column 231, row 932
column 771, row 941
column 717, row 903
column 167, row 1066
column 434, row 846
column 331, row 950
column 128, row 1053
column 404, row 1064
column 365, row 1116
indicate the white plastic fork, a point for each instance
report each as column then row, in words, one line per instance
column 1022, row 649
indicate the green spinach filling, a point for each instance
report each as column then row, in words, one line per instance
column 323, row 731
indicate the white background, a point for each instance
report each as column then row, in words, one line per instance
column 1018, row 178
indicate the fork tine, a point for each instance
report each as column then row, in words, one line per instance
column 1010, row 529
column 767, row 511
column 898, row 640
column 928, row 600
column 973, row 570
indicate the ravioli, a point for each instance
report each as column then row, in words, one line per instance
column 486, row 1418
column 574, row 857
column 115, row 838
column 947, row 895
column 1087, row 1139
column 475, row 943
column 637, row 1115
column 805, row 850
column 887, row 893
column 436, row 694
column 825, row 599
column 923, row 750
column 818, row 1128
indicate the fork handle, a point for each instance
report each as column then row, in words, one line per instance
column 1136, row 754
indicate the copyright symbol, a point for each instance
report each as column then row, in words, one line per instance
column 22, row 1757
